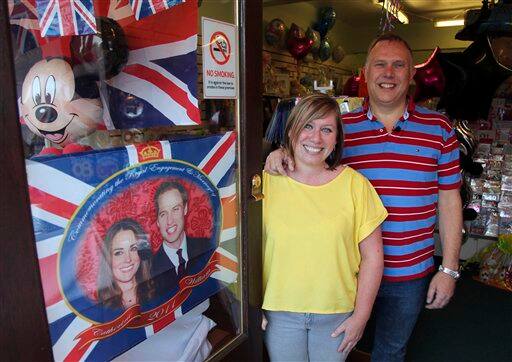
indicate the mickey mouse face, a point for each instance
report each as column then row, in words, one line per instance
column 47, row 105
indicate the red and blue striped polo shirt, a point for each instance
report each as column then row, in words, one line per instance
column 407, row 167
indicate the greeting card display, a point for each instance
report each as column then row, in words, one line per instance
column 131, row 239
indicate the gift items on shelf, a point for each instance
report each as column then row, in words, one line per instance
column 492, row 191
column 495, row 263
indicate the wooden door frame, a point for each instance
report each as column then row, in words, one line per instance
column 25, row 333
column 251, row 157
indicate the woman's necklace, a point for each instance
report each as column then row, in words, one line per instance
column 129, row 297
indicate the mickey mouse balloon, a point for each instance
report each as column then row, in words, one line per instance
column 50, row 107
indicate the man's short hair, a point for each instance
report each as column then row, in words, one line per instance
column 168, row 186
column 392, row 37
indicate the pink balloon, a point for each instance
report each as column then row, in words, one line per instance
column 429, row 78
column 298, row 43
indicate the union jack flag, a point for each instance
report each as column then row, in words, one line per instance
column 143, row 8
column 25, row 25
column 58, row 187
column 158, row 85
column 66, row 17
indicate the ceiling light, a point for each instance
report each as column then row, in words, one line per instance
column 399, row 15
column 443, row 23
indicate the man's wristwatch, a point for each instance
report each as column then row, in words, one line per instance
column 453, row 273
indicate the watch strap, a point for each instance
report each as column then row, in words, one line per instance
column 453, row 273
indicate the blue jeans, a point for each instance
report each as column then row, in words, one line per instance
column 396, row 311
column 293, row 336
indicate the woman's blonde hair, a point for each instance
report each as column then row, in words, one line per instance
column 310, row 108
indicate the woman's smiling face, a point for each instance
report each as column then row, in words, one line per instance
column 316, row 141
column 125, row 256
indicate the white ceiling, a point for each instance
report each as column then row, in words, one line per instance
column 358, row 12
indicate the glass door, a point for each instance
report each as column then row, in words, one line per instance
column 134, row 119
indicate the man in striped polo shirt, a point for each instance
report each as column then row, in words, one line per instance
column 410, row 155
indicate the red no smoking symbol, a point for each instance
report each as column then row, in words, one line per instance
column 220, row 49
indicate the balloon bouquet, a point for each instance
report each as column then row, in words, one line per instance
column 302, row 44
column 60, row 98
column 325, row 23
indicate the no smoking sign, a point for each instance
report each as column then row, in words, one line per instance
column 220, row 48
column 220, row 53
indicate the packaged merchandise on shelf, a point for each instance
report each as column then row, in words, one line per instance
column 492, row 191
column 91, row 208
column 496, row 263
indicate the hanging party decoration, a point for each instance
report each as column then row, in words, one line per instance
column 144, row 8
column 325, row 50
column 274, row 32
column 389, row 16
column 57, row 105
column 64, row 17
column 501, row 47
column 315, row 37
column 298, row 43
column 429, row 78
column 326, row 21
column 338, row 54
column 308, row 58
column 472, row 78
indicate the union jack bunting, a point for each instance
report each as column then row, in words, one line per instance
column 66, row 17
column 25, row 25
column 71, row 195
column 158, row 85
column 143, row 8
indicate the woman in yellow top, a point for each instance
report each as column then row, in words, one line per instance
column 322, row 258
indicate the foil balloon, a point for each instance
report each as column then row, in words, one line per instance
column 308, row 58
column 338, row 54
column 429, row 78
column 102, row 55
column 472, row 78
column 325, row 50
column 315, row 37
column 298, row 43
column 274, row 32
column 501, row 47
column 51, row 106
column 326, row 21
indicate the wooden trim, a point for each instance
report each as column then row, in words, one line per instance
column 250, row 139
column 24, row 334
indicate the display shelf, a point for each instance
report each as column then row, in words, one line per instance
column 490, row 284
column 485, row 237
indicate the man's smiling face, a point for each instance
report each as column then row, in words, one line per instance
column 171, row 217
column 388, row 72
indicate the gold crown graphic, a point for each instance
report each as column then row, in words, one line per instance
column 150, row 152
